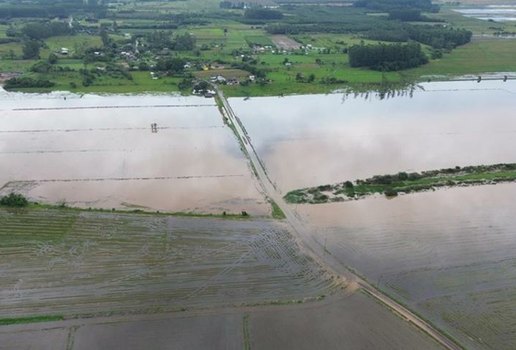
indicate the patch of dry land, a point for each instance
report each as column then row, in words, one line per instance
column 283, row 42
column 102, row 152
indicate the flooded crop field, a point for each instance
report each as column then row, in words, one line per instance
column 350, row 322
column 164, row 153
column 69, row 262
column 322, row 139
column 447, row 254
column 131, row 279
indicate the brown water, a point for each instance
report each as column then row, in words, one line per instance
column 449, row 254
column 101, row 152
column 312, row 140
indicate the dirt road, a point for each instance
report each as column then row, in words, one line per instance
column 314, row 248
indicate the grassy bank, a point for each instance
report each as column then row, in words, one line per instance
column 34, row 319
column 392, row 185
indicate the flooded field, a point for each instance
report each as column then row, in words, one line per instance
column 349, row 322
column 68, row 262
column 312, row 140
column 497, row 13
column 448, row 254
column 96, row 151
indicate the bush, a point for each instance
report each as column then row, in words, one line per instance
column 14, row 200
column 16, row 83
column 390, row 192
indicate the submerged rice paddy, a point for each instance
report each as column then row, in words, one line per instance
column 448, row 255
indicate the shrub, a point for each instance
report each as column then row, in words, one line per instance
column 14, row 200
column 389, row 192
column 25, row 82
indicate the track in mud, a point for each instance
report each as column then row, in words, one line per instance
column 67, row 262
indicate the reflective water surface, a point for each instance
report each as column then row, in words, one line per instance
column 449, row 254
column 101, row 151
column 312, row 140
column 497, row 13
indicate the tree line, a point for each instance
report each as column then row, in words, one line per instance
column 387, row 57
column 388, row 5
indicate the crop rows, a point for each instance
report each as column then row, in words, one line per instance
column 68, row 262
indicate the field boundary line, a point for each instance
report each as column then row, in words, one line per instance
column 314, row 248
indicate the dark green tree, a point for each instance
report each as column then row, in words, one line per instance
column 31, row 49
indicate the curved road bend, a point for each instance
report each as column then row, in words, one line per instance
column 314, row 248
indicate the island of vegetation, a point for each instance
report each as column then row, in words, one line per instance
column 402, row 182
column 250, row 48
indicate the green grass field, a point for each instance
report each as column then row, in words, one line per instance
column 479, row 56
column 485, row 55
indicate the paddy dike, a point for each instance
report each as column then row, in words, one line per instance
column 447, row 255
column 166, row 153
column 342, row 321
column 72, row 263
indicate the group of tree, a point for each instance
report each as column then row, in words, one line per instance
column 438, row 37
column 232, row 4
column 26, row 82
column 158, row 40
column 184, row 42
column 14, row 200
column 387, row 57
column 389, row 5
column 406, row 15
column 31, row 49
column 51, row 9
column 43, row 30
column 262, row 14
column 172, row 65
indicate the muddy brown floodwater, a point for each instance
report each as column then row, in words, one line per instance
column 101, row 151
column 313, row 140
column 448, row 254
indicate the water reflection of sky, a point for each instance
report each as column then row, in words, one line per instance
column 309, row 140
column 192, row 162
column 495, row 13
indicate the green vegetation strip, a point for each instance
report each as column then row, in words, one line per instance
column 247, row 333
column 403, row 182
column 33, row 319
column 277, row 213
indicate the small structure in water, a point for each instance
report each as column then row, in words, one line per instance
column 154, row 128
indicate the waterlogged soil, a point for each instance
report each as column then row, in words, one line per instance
column 449, row 255
column 357, row 322
column 101, row 152
column 339, row 322
column 306, row 141
column 66, row 262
